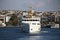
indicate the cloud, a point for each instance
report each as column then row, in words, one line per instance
column 59, row 6
column 38, row 4
column 49, row 0
column 34, row 3
column 41, row 4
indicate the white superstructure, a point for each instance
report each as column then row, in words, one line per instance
column 34, row 24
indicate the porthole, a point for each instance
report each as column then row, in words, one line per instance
column 31, row 29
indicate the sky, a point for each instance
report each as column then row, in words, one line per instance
column 37, row 5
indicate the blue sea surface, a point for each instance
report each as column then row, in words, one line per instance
column 14, row 33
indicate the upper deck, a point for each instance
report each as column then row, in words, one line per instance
column 31, row 19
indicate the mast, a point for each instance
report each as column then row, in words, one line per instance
column 30, row 12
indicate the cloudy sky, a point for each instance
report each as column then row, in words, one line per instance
column 38, row 5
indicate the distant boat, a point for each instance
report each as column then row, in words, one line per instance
column 2, row 24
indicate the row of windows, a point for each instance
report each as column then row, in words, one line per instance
column 32, row 23
column 30, row 20
column 35, row 23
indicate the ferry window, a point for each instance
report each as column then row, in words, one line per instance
column 38, row 23
column 35, row 20
column 34, row 23
column 31, row 29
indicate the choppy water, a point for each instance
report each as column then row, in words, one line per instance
column 15, row 34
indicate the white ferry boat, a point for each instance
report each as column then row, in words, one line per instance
column 33, row 22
